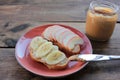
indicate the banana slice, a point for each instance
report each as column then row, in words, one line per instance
column 44, row 57
column 55, row 47
column 55, row 30
column 44, row 49
column 74, row 41
column 46, row 33
column 36, row 42
column 59, row 33
column 67, row 39
column 55, row 57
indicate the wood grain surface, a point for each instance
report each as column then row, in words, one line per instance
column 10, row 32
column 11, row 70
column 19, row 16
column 45, row 10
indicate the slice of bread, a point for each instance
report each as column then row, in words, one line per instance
column 45, row 52
column 65, row 39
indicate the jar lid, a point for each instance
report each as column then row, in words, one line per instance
column 109, row 8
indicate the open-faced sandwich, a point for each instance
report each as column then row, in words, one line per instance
column 68, row 41
column 45, row 52
column 51, row 47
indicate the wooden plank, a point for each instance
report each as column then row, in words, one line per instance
column 42, row 13
column 45, row 10
column 10, row 32
column 11, row 70
column 10, row 2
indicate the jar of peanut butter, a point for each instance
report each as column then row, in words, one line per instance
column 101, row 20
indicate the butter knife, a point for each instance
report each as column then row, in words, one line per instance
column 94, row 57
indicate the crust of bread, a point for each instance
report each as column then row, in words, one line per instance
column 59, row 66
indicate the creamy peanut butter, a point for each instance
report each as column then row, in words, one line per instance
column 100, row 23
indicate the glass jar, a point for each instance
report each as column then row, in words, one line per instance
column 101, row 20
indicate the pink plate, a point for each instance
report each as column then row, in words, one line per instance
column 24, row 59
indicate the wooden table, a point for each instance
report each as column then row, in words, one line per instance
column 19, row 16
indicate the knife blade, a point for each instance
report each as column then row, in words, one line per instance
column 93, row 57
column 97, row 57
